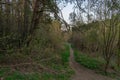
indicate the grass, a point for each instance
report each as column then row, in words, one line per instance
column 92, row 63
column 65, row 55
column 62, row 68
column 88, row 61
column 9, row 74
column 17, row 75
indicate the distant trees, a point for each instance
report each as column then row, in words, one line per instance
column 103, row 33
column 14, row 23
column 29, row 29
column 109, row 29
column 97, row 31
column 19, row 19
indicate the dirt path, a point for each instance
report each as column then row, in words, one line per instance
column 82, row 73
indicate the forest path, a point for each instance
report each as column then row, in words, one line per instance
column 82, row 73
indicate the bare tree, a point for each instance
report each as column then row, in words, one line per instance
column 109, row 29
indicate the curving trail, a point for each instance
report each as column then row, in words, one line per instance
column 82, row 73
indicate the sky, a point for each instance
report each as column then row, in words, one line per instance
column 66, row 11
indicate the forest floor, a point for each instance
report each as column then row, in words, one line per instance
column 82, row 73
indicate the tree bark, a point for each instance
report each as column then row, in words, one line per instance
column 37, row 14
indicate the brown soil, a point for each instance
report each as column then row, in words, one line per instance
column 82, row 73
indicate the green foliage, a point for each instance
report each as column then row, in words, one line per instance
column 65, row 55
column 86, row 37
column 87, row 61
column 118, row 78
column 8, row 74
column 3, row 71
column 116, row 67
column 64, row 72
column 94, row 64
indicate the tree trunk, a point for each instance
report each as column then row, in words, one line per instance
column 37, row 14
column 107, row 66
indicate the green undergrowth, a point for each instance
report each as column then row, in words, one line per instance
column 92, row 63
column 5, row 74
column 65, row 55
column 58, row 64
column 88, row 61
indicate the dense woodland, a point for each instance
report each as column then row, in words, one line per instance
column 33, row 44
